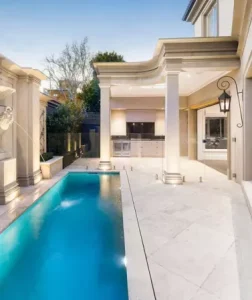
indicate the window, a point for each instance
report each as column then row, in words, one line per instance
column 216, row 133
column 211, row 21
column 140, row 130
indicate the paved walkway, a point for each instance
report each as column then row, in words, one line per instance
column 198, row 237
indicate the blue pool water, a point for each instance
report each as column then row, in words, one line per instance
column 69, row 245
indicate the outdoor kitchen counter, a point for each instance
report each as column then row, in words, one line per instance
column 138, row 148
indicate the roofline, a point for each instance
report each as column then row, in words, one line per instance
column 188, row 9
column 215, row 53
column 21, row 71
column 158, row 51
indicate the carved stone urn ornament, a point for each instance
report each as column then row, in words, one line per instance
column 6, row 115
column 5, row 92
column 6, row 119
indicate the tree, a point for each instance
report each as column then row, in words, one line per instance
column 71, row 70
column 91, row 96
column 91, row 92
column 67, row 118
column 107, row 57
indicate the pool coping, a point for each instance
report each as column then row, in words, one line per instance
column 138, row 277
column 139, row 281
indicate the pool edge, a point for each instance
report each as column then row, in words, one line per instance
column 31, row 195
column 138, row 277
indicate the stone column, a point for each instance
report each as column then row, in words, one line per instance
column 28, row 131
column 105, row 163
column 172, row 141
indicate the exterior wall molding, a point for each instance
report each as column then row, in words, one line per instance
column 245, row 27
column 29, row 79
column 105, row 83
column 172, row 66
column 14, row 69
column 7, row 73
column 196, row 10
column 30, row 179
column 207, row 53
column 9, row 193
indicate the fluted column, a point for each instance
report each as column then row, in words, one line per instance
column 105, row 163
column 28, row 131
column 172, row 142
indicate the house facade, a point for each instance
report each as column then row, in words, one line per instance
column 20, row 111
column 168, row 106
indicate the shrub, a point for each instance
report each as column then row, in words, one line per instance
column 46, row 156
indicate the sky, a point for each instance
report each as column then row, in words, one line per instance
column 34, row 29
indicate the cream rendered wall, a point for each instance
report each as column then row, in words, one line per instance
column 143, row 103
column 225, row 19
column 240, row 158
column 226, row 13
column 141, row 115
column 119, row 118
column 137, row 103
column 160, row 122
column 183, row 129
column 198, row 27
column 118, row 122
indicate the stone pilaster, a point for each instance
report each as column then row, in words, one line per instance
column 28, row 131
column 105, row 163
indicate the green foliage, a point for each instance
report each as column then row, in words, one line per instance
column 107, row 57
column 46, row 156
column 66, row 118
column 91, row 96
column 91, row 92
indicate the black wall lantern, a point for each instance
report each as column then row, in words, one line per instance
column 225, row 99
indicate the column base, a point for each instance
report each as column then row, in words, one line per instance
column 30, row 179
column 9, row 188
column 105, row 165
column 172, row 178
column 9, row 193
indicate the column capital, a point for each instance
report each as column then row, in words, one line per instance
column 29, row 79
column 172, row 66
column 104, row 83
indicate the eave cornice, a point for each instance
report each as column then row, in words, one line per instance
column 12, row 68
column 209, row 53
column 195, row 10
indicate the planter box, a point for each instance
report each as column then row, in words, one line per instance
column 51, row 167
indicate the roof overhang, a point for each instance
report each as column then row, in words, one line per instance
column 194, row 9
column 183, row 55
column 188, row 9
column 12, row 67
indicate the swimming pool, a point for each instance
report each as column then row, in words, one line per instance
column 67, row 245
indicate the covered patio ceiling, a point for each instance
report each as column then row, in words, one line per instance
column 199, row 62
column 189, row 83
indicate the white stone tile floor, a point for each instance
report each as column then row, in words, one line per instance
column 198, row 236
